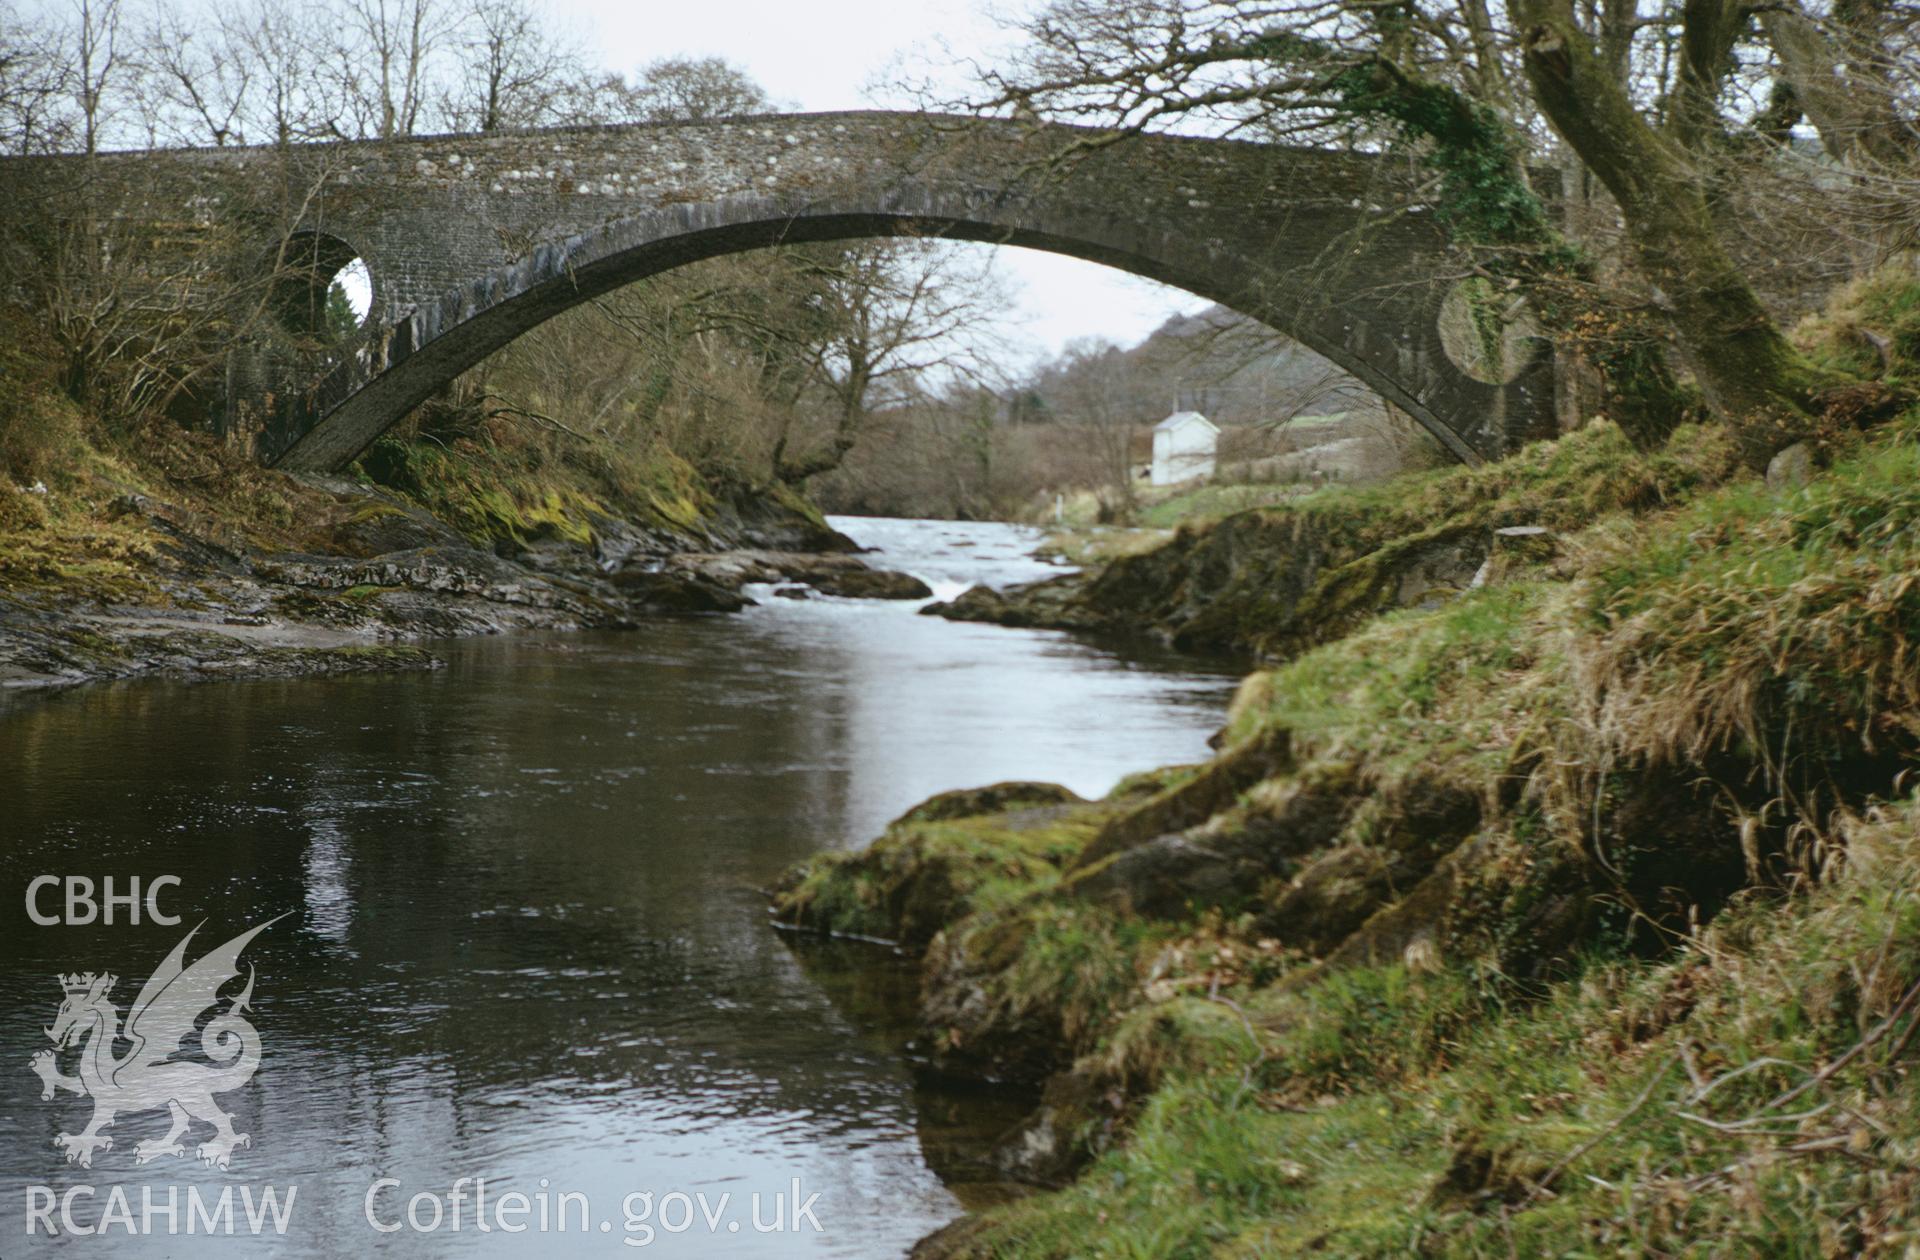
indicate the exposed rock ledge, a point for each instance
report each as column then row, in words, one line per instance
column 387, row 573
column 1255, row 583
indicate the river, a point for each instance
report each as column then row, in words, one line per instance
column 523, row 938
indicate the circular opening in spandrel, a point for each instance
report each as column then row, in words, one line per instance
column 322, row 289
column 1487, row 332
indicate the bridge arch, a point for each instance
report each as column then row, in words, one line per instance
column 472, row 240
column 440, row 340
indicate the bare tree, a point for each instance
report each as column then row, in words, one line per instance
column 216, row 75
column 33, row 87
column 1094, row 394
column 514, row 70
column 296, row 95
column 97, row 62
column 694, row 89
column 1642, row 101
column 384, row 60
column 203, row 77
column 1845, row 77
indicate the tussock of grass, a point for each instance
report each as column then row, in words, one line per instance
column 1645, row 1107
column 1413, row 688
column 1080, row 966
column 1182, row 1036
column 1030, row 982
column 1871, row 328
column 1788, row 622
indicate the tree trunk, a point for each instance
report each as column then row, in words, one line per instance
column 1745, row 368
column 1486, row 201
column 846, row 428
column 1842, row 85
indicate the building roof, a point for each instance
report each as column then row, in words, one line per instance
column 1181, row 419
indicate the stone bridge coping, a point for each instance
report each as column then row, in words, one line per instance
column 934, row 121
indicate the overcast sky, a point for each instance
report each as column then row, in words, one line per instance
column 850, row 54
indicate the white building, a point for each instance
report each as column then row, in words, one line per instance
column 1183, row 448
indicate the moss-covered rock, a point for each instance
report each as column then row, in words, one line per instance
column 937, row 862
column 997, row 798
column 1191, row 798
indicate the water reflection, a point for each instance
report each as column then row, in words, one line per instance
column 527, row 942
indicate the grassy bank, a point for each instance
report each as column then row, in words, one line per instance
column 1750, row 1094
column 1574, row 912
column 118, row 510
column 1278, row 579
column 136, row 545
column 74, row 490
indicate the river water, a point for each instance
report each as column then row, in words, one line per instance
column 522, row 937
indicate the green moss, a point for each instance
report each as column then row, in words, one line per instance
column 526, row 490
column 927, row 872
column 786, row 496
column 1145, row 783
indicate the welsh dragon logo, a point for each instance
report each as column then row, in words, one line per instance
column 149, row 1076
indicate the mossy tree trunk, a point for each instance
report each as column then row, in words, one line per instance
column 1746, row 370
column 1489, row 207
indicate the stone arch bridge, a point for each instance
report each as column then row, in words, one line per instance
column 472, row 240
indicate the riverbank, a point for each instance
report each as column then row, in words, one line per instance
column 164, row 552
column 1554, row 888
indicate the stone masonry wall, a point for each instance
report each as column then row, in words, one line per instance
column 473, row 239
